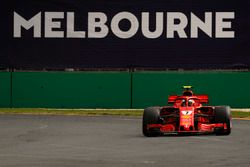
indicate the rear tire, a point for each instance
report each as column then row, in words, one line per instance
column 151, row 115
column 223, row 115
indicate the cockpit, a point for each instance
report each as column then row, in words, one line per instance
column 187, row 102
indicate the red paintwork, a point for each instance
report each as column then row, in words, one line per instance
column 181, row 117
column 202, row 128
column 202, row 98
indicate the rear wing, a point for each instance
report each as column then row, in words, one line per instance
column 201, row 98
column 172, row 98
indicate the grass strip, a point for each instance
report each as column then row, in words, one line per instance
column 83, row 112
column 92, row 112
column 240, row 114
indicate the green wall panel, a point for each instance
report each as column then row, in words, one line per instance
column 223, row 88
column 72, row 89
column 113, row 89
column 5, row 89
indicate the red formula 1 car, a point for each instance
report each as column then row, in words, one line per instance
column 187, row 115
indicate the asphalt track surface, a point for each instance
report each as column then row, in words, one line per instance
column 71, row 141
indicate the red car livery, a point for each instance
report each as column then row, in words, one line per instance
column 187, row 115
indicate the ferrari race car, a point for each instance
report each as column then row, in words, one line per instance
column 187, row 115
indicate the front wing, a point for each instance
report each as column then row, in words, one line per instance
column 171, row 129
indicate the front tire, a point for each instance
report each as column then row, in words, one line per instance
column 151, row 115
column 223, row 115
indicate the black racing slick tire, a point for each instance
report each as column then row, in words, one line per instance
column 223, row 115
column 151, row 115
